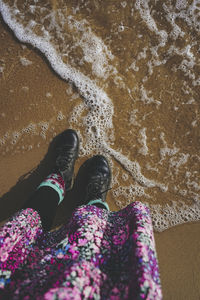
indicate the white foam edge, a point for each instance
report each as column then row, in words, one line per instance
column 169, row 216
column 134, row 169
column 82, row 82
column 143, row 7
column 87, row 88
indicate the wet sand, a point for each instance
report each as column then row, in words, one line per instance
column 33, row 92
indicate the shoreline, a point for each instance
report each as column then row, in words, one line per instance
column 178, row 247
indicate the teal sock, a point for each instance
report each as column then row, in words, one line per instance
column 56, row 182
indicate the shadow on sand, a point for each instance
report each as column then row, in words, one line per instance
column 15, row 198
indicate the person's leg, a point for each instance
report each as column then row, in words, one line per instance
column 46, row 199
column 22, row 229
column 51, row 191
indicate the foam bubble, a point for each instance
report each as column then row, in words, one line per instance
column 30, row 129
column 94, row 115
column 143, row 141
column 142, row 54
column 133, row 190
column 181, row 4
column 178, row 161
column 133, row 117
column 194, row 123
column 146, row 98
column 60, row 116
column 133, row 66
column 69, row 90
column 25, row 62
column 143, row 7
column 44, row 126
column 166, row 150
column 123, row 4
column 94, row 50
column 15, row 136
column 49, row 95
column 95, row 98
column 2, row 69
column 135, row 170
column 125, row 176
column 149, row 167
column 191, row 182
column 25, row 89
column 121, row 28
column 169, row 216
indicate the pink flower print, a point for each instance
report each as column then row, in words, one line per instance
column 123, row 236
column 80, row 272
column 55, row 176
column 7, row 241
column 63, row 293
column 60, row 254
column 80, row 282
column 82, row 242
column 106, row 244
column 145, row 286
column 96, row 276
column 98, row 234
column 116, row 293
column 94, row 248
column 89, row 236
column 97, row 241
column 93, row 227
column 115, row 240
column 115, row 290
column 74, row 251
column 35, row 214
column 86, row 291
column 86, row 266
column 119, row 239
column 141, row 229
column 73, row 246
column 145, row 254
column 140, row 244
column 139, row 252
column 3, row 256
column 104, row 276
column 75, row 255
column 32, row 223
column 29, row 218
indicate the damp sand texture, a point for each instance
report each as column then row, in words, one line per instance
column 126, row 77
column 135, row 66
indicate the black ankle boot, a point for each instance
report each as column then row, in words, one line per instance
column 67, row 148
column 98, row 178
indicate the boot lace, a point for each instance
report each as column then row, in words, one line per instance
column 95, row 186
column 65, row 157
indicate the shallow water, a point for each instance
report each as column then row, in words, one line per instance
column 136, row 67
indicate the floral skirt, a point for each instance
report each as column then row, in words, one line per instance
column 97, row 255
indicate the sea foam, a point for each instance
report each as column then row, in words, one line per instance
column 98, row 122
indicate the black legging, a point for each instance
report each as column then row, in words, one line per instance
column 45, row 201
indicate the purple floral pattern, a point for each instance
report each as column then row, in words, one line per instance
column 96, row 255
